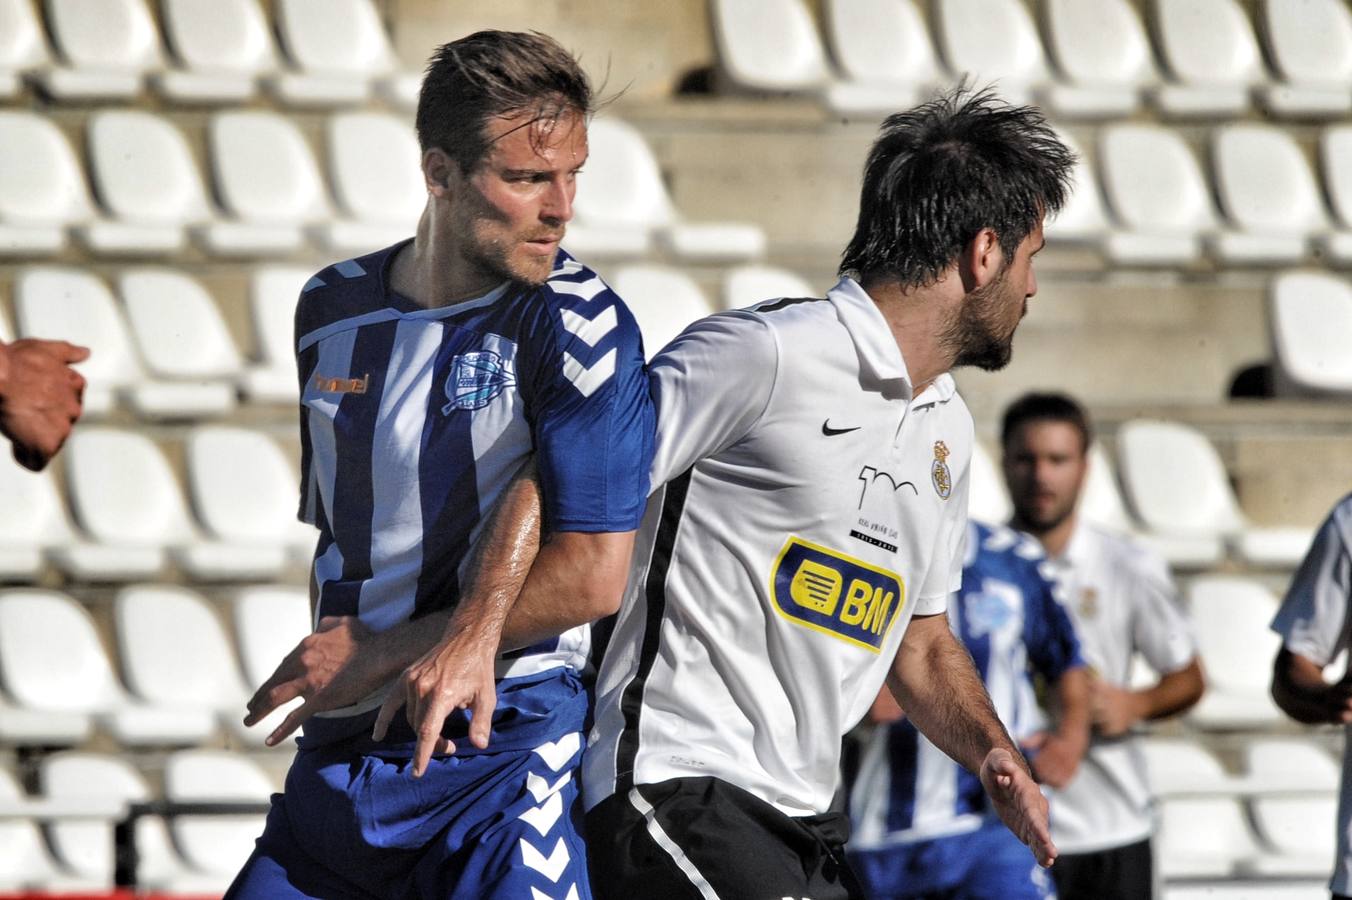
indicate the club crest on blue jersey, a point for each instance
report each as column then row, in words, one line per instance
column 991, row 609
column 475, row 380
column 827, row 591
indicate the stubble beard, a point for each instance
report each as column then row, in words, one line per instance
column 973, row 332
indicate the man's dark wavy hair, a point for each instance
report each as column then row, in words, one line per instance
column 1046, row 407
column 495, row 73
column 941, row 172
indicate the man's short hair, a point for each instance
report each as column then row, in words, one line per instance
column 1046, row 407
column 495, row 73
column 941, row 172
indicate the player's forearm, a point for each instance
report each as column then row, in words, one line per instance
column 1072, row 708
column 933, row 679
column 1174, row 693
column 576, row 579
column 1299, row 689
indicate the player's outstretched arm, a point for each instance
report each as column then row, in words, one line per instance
column 1298, row 687
column 933, row 679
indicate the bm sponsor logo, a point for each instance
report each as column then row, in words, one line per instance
column 830, row 592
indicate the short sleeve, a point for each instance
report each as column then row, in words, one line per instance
column 710, row 386
column 1312, row 619
column 1049, row 633
column 592, row 421
column 1161, row 631
column 945, row 572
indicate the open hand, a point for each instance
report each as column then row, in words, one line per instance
column 1019, row 803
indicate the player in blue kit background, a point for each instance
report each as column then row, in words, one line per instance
column 433, row 373
column 922, row 825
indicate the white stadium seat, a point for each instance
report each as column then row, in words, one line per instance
column 23, row 48
column 1335, row 161
column 215, row 844
column 1268, row 193
column 1276, row 764
column 273, row 291
column 1310, row 44
column 1178, row 487
column 145, row 177
column 32, row 520
column 183, row 339
column 1082, row 219
column 992, row 41
column 1296, row 806
column 1177, row 766
column 622, row 207
column 1209, row 48
column 750, row 284
column 340, row 51
column 768, row 45
column 1100, row 500
column 1203, row 837
column 1310, row 315
column 1100, row 47
column 663, row 300
column 108, row 47
column 42, row 185
column 884, row 53
column 222, row 48
column 988, row 500
column 1156, row 190
column 1232, row 616
column 267, row 179
column 25, row 863
column 269, row 621
column 375, row 166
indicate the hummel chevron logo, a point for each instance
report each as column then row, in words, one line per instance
column 537, row 894
column 540, row 788
column 557, row 753
column 543, row 817
column 590, row 330
column 583, row 289
column 552, row 866
column 588, row 378
column 832, row 432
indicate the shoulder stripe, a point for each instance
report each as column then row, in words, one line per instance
column 314, row 282
column 584, row 290
column 655, row 592
column 567, row 267
column 785, row 302
column 314, row 337
column 590, row 330
column 349, row 268
column 588, row 378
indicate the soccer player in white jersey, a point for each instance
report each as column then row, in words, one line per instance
column 1123, row 602
column 433, row 373
column 921, row 826
column 1313, row 623
column 806, row 528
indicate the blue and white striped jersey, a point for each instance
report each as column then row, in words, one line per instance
column 1010, row 618
column 413, row 421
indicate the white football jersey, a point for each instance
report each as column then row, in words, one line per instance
column 807, row 507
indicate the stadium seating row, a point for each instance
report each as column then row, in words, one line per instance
column 181, row 678
column 151, row 194
column 336, row 52
column 1098, row 61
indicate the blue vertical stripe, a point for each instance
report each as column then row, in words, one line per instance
column 903, row 742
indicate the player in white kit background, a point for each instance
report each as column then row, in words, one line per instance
column 806, row 528
column 1313, row 622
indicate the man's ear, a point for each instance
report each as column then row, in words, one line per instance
column 437, row 168
column 981, row 261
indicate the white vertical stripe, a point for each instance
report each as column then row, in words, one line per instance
column 333, row 361
column 664, row 841
column 869, row 800
column 396, row 495
column 936, row 785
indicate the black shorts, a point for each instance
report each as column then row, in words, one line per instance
column 703, row 838
column 1119, row 873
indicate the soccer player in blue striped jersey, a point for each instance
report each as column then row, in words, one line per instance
column 922, row 825
column 433, row 373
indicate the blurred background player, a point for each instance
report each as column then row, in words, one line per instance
column 1313, row 623
column 432, row 373
column 1123, row 602
column 921, row 825
column 39, row 397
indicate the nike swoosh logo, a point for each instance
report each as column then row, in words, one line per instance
column 832, row 432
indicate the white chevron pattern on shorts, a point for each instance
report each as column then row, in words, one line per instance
column 590, row 330
column 540, row 788
column 551, row 866
column 537, row 894
column 557, row 753
column 588, row 378
column 543, row 817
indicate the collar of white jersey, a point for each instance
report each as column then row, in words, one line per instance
column 879, row 354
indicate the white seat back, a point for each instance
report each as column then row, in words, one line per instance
column 746, row 285
column 991, row 40
column 269, row 622
column 219, row 36
column 25, row 860
column 31, row 511
column 1175, row 480
column 273, row 292
column 1310, row 41
column 174, row 651
column 1202, row 836
column 1100, row 499
column 143, row 169
column 1099, row 42
column 988, row 500
column 123, row 491
column 177, row 326
column 50, row 655
column 1335, row 158
column 1208, row 42
column 1153, row 181
column 22, row 45
column 768, row 45
column 881, row 41
column 105, row 35
column 1295, row 763
column 621, row 184
column 87, row 847
column 241, row 484
column 264, row 170
column 1264, row 182
column 1179, row 765
column 215, row 843
column 1232, row 616
column 663, row 300
column 1311, row 323
column 75, row 306
column 339, row 37
column 1082, row 216
column 41, row 182
column 375, row 163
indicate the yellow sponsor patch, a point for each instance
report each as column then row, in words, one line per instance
column 839, row 595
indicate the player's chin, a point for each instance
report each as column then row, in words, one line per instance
column 533, row 268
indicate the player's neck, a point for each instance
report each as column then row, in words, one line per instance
column 1054, row 540
column 916, row 319
column 432, row 272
